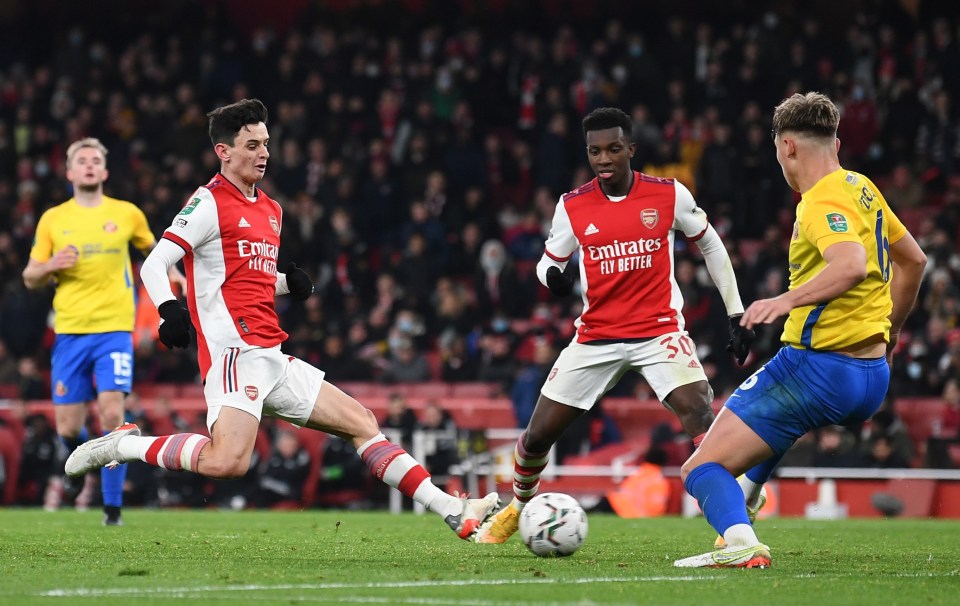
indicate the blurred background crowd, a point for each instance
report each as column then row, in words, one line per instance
column 419, row 148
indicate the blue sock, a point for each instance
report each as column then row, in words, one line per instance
column 719, row 496
column 762, row 471
column 111, row 484
column 72, row 443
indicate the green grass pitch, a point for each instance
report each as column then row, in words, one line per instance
column 322, row 557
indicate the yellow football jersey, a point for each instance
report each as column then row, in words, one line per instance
column 96, row 294
column 844, row 206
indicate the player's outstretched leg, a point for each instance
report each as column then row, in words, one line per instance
column 177, row 452
column 393, row 466
column 527, row 468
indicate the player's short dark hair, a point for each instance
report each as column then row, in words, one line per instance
column 812, row 114
column 226, row 121
column 608, row 117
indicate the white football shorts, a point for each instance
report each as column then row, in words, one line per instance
column 262, row 381
column 583, row 373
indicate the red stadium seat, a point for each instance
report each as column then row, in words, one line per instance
column 473, row 390
column 435, row 390
column 191, row 390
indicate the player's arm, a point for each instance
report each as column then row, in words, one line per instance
column 846, row 266
column 692, row 221
column 144, row 241
column 174, row 275
column 175, row 320
column 909, row 263
column 44, row 262
column 559, row 247
column 38, row 274
column 155, row 270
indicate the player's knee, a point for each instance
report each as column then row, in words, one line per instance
column 368, row 424
column 228, row 467
column 685, row 470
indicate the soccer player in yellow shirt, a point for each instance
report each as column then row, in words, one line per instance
column 854, row 275
column 83, row 247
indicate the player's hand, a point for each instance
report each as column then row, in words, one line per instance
column 741, row 338
column 559, row 283
column 765, row 311
column 298, row 282
column 174, row 325
column 65, row 258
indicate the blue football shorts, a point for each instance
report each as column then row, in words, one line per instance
column 799, row 390
column 82, row 365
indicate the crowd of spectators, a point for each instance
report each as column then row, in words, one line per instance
column 419, row 147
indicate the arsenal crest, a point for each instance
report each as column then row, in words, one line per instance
column 553, row 373
column 649, row 217
column 109, row 227
column 251, row 392
column 275, row 225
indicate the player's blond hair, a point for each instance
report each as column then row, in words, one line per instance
column 812, row 114
column 91, row 142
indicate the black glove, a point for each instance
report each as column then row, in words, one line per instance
column 298, row 282
column 741, row 338
column 559, row 283
column 175, row 328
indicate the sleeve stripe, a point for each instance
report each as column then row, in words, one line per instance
column 178, row 241
column 700, row 235
column 556, row 258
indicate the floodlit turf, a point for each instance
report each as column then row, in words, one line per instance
column 314, row 557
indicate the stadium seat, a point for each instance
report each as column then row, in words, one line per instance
column 474, row 390
column 434, row 390
column 191, row 390
column 156, row 390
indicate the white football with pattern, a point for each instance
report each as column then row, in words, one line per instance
column 553, row 524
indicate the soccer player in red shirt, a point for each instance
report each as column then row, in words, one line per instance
column 228, row 236
column 622, row 224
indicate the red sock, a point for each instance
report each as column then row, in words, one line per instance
column 180, row 451
column 393, row 466
column 527, row 467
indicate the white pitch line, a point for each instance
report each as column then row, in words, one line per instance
column 206, row 589
column 136, row 591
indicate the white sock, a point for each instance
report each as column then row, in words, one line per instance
column 741, row 535
column 134, row 448
column 436, row 500
column 751, row 490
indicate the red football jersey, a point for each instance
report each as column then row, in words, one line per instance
column 231, row 267
column 626, row 255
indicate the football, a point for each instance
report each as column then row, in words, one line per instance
column 553, row 524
